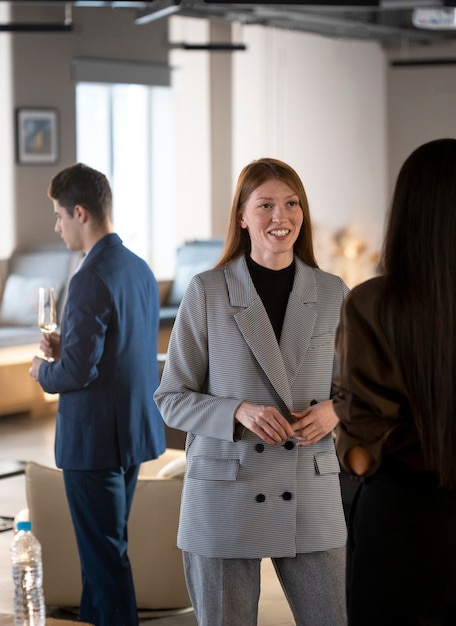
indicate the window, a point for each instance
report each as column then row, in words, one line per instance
column 126, row 132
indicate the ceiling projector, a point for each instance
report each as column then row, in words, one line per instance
column 434, row 19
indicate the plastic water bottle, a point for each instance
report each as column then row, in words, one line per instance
column 25, row 551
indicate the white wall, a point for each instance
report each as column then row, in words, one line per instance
column 320, row 105
column 202, row 87
column 6, row 142
column 421, row 101
column 191, row 93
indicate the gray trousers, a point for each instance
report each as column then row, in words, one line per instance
column 225, row 592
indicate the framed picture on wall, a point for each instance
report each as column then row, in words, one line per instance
column 37, row 136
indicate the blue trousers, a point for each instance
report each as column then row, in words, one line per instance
column 100, row 503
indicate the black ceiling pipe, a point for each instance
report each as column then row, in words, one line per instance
column 213, row 47
column 24, row 27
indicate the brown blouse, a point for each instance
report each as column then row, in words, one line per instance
column 372, row 402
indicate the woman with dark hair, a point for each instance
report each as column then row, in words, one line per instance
column 397, row 349
column 249, row 377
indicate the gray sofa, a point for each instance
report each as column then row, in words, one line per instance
column 22, row 275
column 50, row 265
column 192, row 257
column 53, row 265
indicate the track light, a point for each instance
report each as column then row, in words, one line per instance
column 162, row 8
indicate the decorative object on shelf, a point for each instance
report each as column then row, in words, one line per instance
column 37, row 136
column 348, row 251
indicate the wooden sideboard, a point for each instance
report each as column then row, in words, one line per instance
column 19, row 392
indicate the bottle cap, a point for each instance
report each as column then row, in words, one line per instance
column 24, row 525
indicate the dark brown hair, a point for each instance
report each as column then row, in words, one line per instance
column 80, row 184
column 419, row 307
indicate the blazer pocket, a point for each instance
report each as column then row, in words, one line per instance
column 317, row 341
column 326, row 463
column 208, row 468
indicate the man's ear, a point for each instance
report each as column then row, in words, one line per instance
column 81, row 213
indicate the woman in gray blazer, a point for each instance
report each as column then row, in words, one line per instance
column 248, row 376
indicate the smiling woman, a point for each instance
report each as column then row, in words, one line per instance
column 259, row 440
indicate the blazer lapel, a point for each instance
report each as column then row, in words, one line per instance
column 299, row 320
column 254, row 324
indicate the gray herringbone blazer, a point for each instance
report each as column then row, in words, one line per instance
column 243, row 498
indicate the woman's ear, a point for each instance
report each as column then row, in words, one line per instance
column 241, row 221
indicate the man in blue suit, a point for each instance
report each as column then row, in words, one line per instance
column 105, row 370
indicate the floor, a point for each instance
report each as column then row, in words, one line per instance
column 25, row 437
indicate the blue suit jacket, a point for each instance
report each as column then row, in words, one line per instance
column 107, row 372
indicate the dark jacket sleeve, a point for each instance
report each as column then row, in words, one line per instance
column 371, row 401
column 85, row 320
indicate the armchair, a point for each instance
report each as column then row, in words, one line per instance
column 155, row 559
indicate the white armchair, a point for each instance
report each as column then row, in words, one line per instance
column 155, row 559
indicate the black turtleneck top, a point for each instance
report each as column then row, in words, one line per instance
column 273, row 287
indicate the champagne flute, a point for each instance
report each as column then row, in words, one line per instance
column 47, row 316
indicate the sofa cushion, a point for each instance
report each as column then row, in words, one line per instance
column 53, row 261
column 13, row 336
column 173, row 469
column 20, row 299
